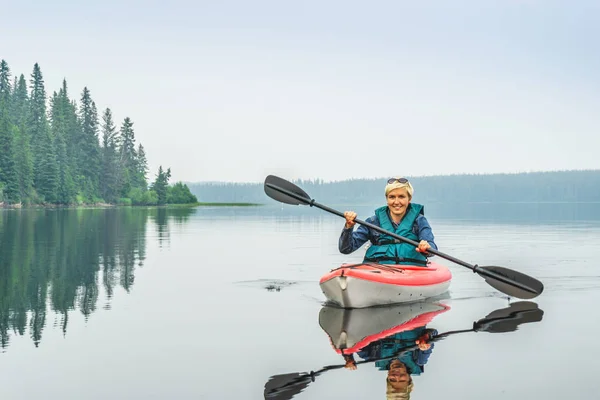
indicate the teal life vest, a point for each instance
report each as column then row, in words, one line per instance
column 388, row 250
column 389, row 348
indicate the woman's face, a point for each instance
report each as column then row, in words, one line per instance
column 398, row 376
column 397, row 201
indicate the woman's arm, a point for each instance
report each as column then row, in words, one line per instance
column 351, row 240
column 424, row 231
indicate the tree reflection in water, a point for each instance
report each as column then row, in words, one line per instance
column 54, row 260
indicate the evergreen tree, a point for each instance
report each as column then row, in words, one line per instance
column 89, row 145
column 141, row 169
column 72, row 138
column 24, row 163
column 8, row 175
column 5, row 90
column 109, row 189
column 161, row 185
column 22, row 145
column 45, row 163
column 37, row 122
column 59, row 110
column 127, row 157
column 46, row 176
column 20, row 103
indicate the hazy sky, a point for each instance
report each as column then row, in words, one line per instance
column 236, row 90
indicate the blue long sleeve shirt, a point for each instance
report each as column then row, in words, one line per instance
column 351, row 240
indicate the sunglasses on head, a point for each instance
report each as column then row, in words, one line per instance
column 399, row 180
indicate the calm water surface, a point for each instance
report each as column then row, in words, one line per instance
column 212, row 303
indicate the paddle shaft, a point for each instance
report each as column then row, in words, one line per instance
column 474, row 268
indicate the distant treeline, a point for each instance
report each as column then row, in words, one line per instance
column 63, row 152
column 558, row 186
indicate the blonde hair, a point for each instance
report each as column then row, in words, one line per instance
column 397, row 185
column 395, row 394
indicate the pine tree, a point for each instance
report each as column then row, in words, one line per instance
column 161, row 185
column 109, row 174
column 37, row 122
column 72, row 137
column 127, row 157
column 45, row 163
column 59, row 110
column 90, row 147
column 23, row 164
column 141, row 169
column 5, row 90
column 46, row 178
column 22, row 144
column 8, row 175
column 20, row 103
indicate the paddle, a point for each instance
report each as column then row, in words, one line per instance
column 286, row 386
column 506, row 280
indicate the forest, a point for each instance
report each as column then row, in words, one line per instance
column 581, row 186
column 55, row 150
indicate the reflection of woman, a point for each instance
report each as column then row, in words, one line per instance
column 388, row 355
column 399, row 384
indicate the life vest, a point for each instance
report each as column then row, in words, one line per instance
column 388, row 250
column 384, row 351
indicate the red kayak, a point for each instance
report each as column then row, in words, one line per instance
column 371, row 284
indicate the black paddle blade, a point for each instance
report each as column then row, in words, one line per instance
column 521, row 286
column 509, row 318
column 286, row 386
column 284, row 191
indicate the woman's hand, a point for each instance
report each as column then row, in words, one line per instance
column 350, row 216
column 422, row 342
column 423, row 246
column 423, row 346
column 350, row 363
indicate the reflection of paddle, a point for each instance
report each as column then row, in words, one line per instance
column 507, row 281
column 286, row 386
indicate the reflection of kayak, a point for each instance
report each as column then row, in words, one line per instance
column 352, row 329
column 370, row 284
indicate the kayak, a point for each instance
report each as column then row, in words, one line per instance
column 371, row 284
column 350, row 330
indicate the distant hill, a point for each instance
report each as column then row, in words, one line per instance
column 542, row 187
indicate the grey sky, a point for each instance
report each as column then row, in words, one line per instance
column 236, row 90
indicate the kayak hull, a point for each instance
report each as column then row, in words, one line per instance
column 369, row 284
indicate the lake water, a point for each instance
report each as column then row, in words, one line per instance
column 211, row 303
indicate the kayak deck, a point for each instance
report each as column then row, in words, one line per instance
column 371, row 284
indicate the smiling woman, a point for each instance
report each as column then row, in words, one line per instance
column 399, row 216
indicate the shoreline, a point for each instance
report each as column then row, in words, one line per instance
column 19, row 206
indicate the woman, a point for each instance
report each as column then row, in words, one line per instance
column 399, row 216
